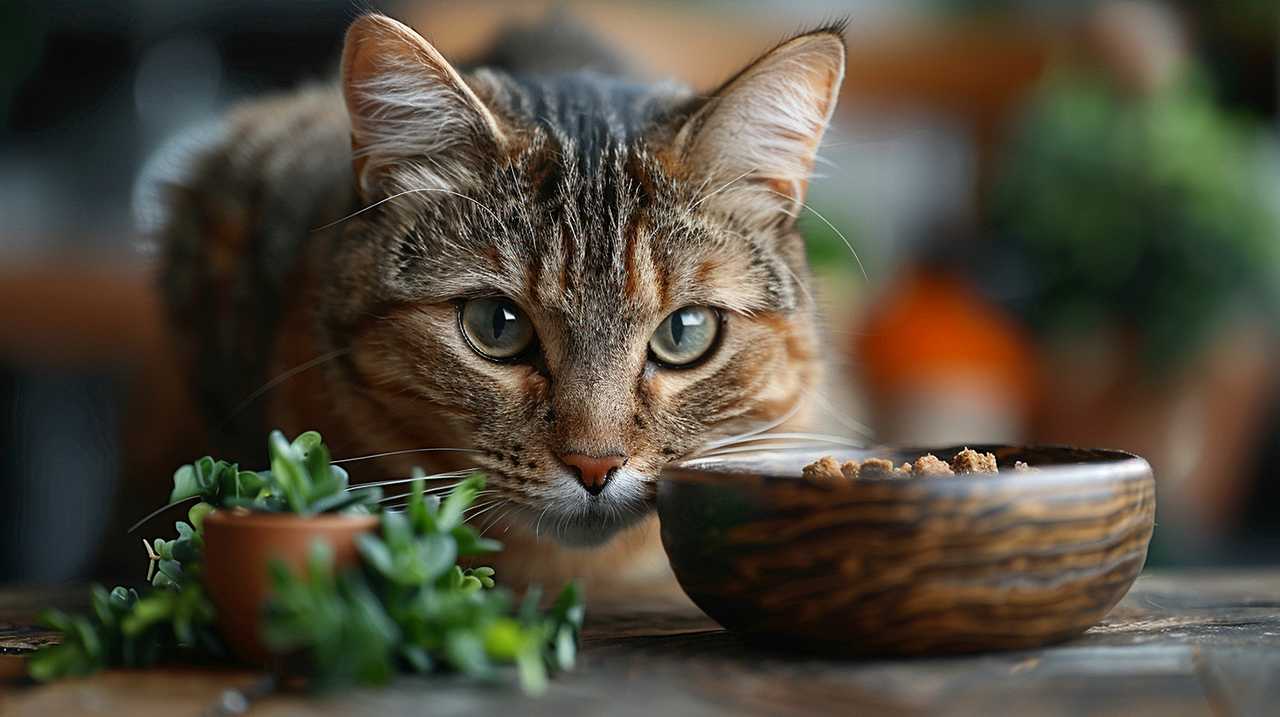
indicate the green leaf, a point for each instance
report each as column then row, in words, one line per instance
column 171, row 568
column 418, row 658
column 460, row 498
column 206, row 476
column 308, row 441
column 469, row 543
column 288, row 474
column 153, row 609
column 568, row 607
column 338, row 501
column 375, row 554
column 504, row 639
column 197, row 513
column 100, row 600
column 122, row 598
column 532, row 671
column 566, row 648
column 438, row 554
column 184, row 484
column 465, row 652
column 249, row 484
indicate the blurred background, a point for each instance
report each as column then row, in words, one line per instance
column 1065, row 218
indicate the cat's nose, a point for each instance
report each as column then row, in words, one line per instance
column 593, row 472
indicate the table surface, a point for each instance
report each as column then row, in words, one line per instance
column 1181, row 643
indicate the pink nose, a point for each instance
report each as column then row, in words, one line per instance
column 593, row 472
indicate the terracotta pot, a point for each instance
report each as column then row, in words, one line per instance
column 239, row 546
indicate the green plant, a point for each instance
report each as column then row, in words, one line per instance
column 301, row 480
column 410, row 606
column 1144, row 214
column 132, row 630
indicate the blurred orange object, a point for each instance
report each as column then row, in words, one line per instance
column 932, row 350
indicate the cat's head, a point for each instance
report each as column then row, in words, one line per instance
column 583, row 278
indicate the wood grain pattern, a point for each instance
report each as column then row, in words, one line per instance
column 909, row 566
column 1185, row 643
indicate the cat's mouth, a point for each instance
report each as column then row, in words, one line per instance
column 574, row 518
column 594, row 526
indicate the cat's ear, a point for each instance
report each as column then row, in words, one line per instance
column 408, row 104
column 754, row 141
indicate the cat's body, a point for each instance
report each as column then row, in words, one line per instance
column 582, row 277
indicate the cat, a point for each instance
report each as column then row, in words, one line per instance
column 579, row 276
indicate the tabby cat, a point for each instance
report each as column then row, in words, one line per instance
column 580, row 276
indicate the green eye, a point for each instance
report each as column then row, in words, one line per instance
column 685, row 336
column 495, row 328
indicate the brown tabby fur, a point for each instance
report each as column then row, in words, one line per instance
column 597, row 205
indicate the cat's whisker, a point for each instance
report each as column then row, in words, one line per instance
column 831, row 226
column 158, row 511
column 803, row 288
column 487, row 507
column 774, row 447
column 803, row 436
column 768, row 426
column 494, row 521
column 371, row 456
column 285, row 377
column 426, row 492
column 722, row 187
column 852, row 425
column 537, row 526
column 397, row 481
column 397, row 195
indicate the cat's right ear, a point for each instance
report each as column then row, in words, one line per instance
column 410, row 108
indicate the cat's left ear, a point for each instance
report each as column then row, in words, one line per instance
column 409, row 105
column 754, row 141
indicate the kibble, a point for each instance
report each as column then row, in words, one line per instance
column 965, row 462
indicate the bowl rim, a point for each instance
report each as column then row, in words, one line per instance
column 1106, row 465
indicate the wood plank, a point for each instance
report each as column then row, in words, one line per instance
column 1179, row 644
column 1241, row 680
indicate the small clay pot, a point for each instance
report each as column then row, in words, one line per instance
column 239, row 546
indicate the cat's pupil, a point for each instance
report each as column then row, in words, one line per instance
column 500, row 318
column 685, row 319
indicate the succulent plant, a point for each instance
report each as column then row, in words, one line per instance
column 301, row 480
column 413, row 607
column 409, row 607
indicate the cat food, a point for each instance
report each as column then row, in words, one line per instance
column 966, row 462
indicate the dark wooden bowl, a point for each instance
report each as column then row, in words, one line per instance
column 909, row 565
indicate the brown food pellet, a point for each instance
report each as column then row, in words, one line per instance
column 971, row 461
column 825, row 468
column 876, row 468
column 931, row 465
column 966, row 462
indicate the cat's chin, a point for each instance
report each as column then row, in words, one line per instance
column 582, row 535
column 590, row 529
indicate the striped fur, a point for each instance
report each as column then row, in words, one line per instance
column 597, row 204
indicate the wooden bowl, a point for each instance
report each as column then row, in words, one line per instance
column 908, row 565
column 239, row 547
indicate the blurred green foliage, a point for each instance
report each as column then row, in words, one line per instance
column 1151, row 215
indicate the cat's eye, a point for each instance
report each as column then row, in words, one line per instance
column 685, row 336
column 495, row 328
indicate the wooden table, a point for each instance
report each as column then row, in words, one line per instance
column 1185, row 643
